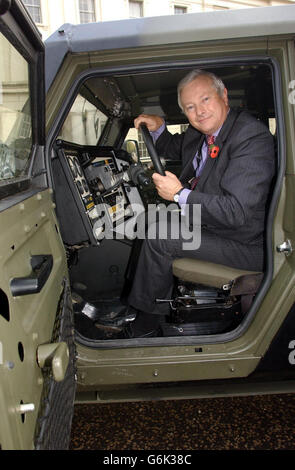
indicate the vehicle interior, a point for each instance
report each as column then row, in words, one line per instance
column 102, row 167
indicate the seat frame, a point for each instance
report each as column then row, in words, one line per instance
column 209, row 298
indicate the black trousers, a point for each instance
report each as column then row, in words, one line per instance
column 154, row 277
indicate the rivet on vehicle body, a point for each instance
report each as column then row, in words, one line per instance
column 232, row 368
column 155, row 373
column 39, row 197
column 26, row 228
column 10, row 365
column 43, row 214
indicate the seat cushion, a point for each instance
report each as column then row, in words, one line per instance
column 215, row 275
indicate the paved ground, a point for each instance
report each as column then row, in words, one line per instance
column 239, row 423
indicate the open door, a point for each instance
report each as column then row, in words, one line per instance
column 37, row 372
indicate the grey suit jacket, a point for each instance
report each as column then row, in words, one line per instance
column 234, row 187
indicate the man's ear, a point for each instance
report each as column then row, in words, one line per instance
column 225, row 96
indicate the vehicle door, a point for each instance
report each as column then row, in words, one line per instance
column 37, row 375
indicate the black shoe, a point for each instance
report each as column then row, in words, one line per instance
column 87, row 328
column 106, row 321
column 117, row 319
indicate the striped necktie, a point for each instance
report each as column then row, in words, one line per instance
column 210, row 139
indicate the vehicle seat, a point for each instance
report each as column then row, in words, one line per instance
column 236, row 281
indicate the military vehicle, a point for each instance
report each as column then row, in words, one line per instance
column 74, row 182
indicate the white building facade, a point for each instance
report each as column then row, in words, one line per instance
column 49, row 15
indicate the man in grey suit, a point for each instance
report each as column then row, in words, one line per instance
column 230, row 180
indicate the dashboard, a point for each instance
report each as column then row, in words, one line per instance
column 93, row 188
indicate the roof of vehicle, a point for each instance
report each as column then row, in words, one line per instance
column 160, row 30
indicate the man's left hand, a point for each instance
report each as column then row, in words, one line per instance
column 167, row 185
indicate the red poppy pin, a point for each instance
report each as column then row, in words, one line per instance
column 214, row 150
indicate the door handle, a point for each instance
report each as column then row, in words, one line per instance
column 41, row 269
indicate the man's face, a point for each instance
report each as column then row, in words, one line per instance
column 205, row 109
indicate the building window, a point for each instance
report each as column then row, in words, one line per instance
column 179, row 10
column 135, row 9
column 87, row 11
column 34, row 8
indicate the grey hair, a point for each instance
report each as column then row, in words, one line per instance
column 192, row 75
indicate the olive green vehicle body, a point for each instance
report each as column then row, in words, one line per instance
column 258, row 355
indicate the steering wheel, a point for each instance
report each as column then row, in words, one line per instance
column 152, row 150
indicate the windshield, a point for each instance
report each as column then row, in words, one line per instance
column 84, row 123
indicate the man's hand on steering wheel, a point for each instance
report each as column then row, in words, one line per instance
column 151, row 121
column 167, row 186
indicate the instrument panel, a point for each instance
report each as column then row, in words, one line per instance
column 80, row 182
column 106, row 181
column 98, row 187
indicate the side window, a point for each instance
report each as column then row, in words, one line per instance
column 134, row 134
column 15, row 113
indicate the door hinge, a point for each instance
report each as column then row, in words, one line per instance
column 285, row 248
column 55, row 356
